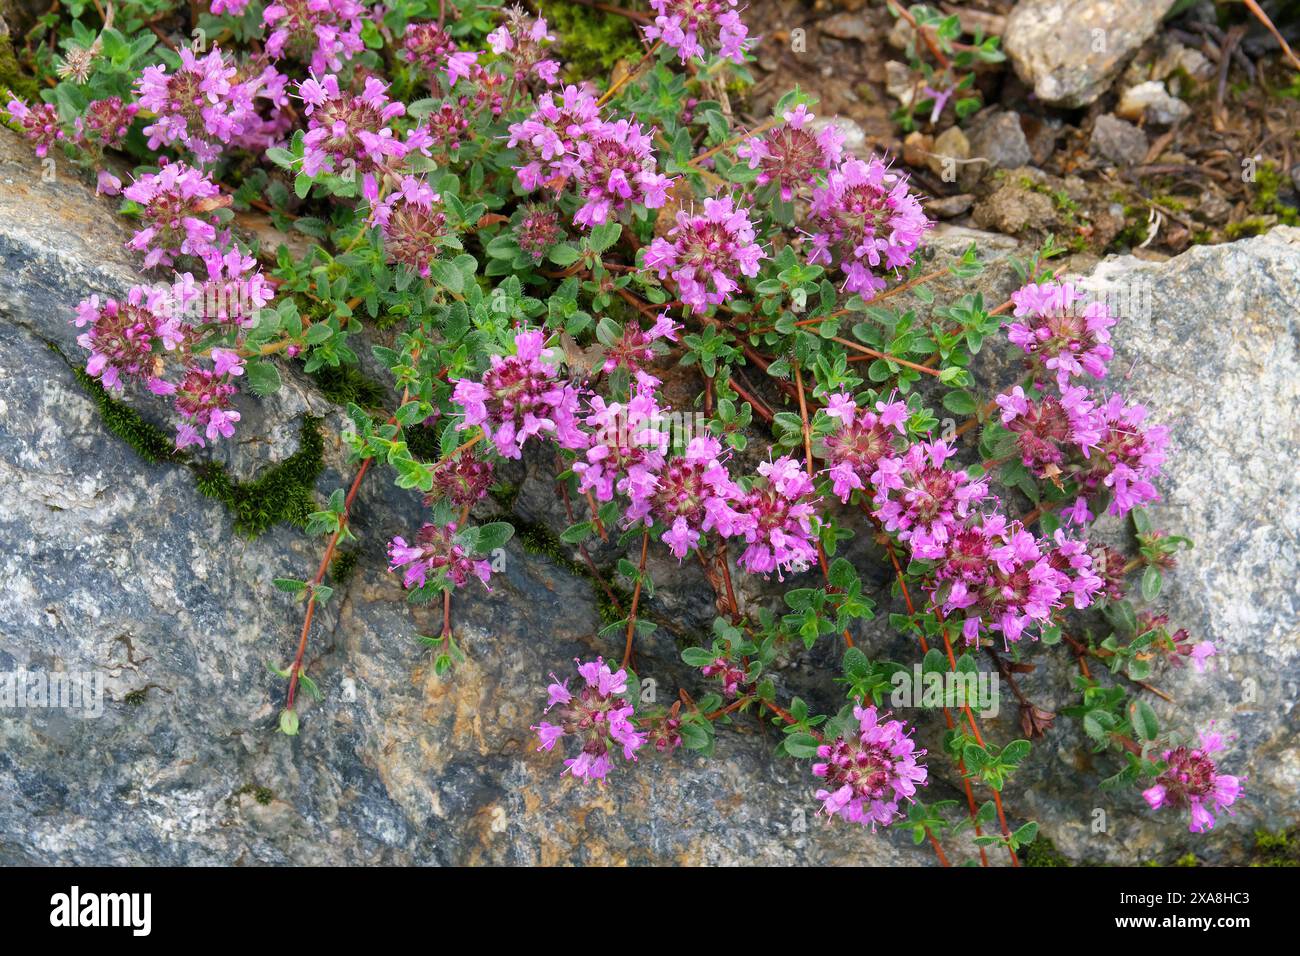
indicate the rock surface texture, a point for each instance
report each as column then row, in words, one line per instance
column 120, row 567
column 1069, row 51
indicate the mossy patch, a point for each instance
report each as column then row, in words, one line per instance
column 12, row 77
column 347, row 384
column 1043, row 852
column 146, row 439
column 592, row 41
column 1276, row 849
column 284, row 493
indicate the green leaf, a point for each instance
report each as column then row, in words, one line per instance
column 289, row 722
column 1144, row 721
column 698, row 656
column 263, row 378
column 1152, row 582
column 960, row 402
column 801, row 745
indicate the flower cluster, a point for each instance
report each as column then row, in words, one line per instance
column 792, row 155
column 522, row 42
column 861, row 442
column 203, row 399
column 40, row 123
column 868, row 773
column 323, row 33
column 692, row 493
column 924, row 502
column 1004, row 578
column 696, row 28
column 519, row 397
column 121, row 335
column 624, row 437
column 176, row 211
column 780, row 523
column 202, row 106
column 548, row 138
column 436, row 554
column 867, row 218
column 707, row 253
column 1061, row 332
column 597, row 714
column 616, row 168
column 350, row 133
column 1191, row 780
column 106, row 122
column 413, row 225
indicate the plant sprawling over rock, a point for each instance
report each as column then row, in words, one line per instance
column 508, row 221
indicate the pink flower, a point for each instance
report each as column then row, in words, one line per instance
column 707, row 253
column 413, row 224
column 867, row 219
column 691, row 493
column 622, row 436
column 40, row 123
column 1005, row 579
column 202, row 106
column 349, row 132
column 1062, row 333
column 519, row 397
column 616, row 169
column 177, row 215
column 436, row 553
column 863, row 441
column 122, row 335
column 548, row 138
column 868, row 773
column 923, row 501
column 107, row 121
column 203, row 399
column 791, row 155
column 780, row 520
column 324, row 33
column 1192, row 780
column 597, row 714
column 697, row 29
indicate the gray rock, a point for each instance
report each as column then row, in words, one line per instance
column 996, row 138
column 1069, row 51
column 1152, row 102
column 1209, row 346
column 999, row 139
column 1117, row 141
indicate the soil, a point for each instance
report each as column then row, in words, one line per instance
column 1229, row 168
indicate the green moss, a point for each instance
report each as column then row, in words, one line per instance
column 592, row 41
column 136, row 697
column 147, row 440
column 345, row 562
column 505, row 494
column 1267, row 200
column 348, row 384
column 1043, row 852
column 284, row 493
column 12, row 77
column 1253, row 226
column 1276, row 849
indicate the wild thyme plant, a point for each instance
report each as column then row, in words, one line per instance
column 549, row 250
